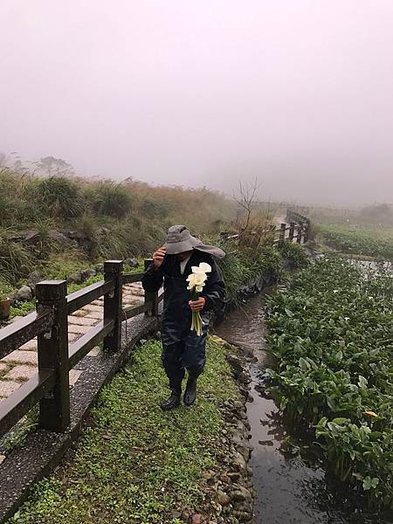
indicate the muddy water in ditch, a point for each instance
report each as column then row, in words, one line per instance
column 290, row 484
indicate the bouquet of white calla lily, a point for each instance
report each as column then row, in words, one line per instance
column 196, row 282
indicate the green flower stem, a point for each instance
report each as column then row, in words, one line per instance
column 196, row 322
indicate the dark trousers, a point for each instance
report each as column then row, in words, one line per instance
column 189, row 353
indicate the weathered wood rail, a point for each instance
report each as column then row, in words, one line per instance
column 294, row 232
column 295, row 229
column 49, row 387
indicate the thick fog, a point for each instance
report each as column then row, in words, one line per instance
column 298, row 93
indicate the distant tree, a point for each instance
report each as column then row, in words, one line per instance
column 12, row 162
column 18, row 166
column 246, row 199
column 52, row 166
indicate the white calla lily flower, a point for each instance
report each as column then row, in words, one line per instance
column 197, row 270
column 202, row 268
column 196, row 282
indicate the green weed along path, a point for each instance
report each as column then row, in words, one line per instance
column 138, row 464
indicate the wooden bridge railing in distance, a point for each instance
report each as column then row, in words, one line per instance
column 298, row 230
column 296, row 233
column 50, row 385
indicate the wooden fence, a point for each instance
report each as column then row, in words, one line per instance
column 296, row 229
column 56, row 357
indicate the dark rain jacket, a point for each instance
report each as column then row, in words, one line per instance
column 177, row 312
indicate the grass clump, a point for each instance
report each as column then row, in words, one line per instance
column 138, row 464
column 110, row 199
column 59, row 197
column 15, row 261
column 20, row 309
column 242, row 265
column 294, row 254
column 5, row 290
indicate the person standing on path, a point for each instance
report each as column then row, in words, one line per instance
column 183, row 349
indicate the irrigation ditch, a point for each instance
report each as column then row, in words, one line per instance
column 291, row 480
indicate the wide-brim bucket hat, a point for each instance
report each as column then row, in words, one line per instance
column 179, row 240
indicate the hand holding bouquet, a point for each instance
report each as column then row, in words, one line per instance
column 196, row 282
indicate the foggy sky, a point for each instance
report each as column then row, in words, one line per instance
column 296, row 92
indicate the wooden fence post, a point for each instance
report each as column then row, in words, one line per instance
column 291, row 231
column 283, row 228
column 300, row 233
column 306, row 232
column 151, row 298
column 113, row 270
column 54, row 413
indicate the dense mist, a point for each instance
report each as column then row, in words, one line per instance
column 297, row 93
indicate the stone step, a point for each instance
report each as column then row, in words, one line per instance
column 97, row 315
column 20, row 373
column 7, row 387
column 22, row 357
column 81, row 321
column 77, row 329
column 91, row 308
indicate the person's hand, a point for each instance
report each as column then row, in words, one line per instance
column 197, row 305
column 158, row 257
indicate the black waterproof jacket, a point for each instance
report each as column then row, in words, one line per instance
column 177, row 312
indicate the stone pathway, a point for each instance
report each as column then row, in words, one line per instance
column 20, row 365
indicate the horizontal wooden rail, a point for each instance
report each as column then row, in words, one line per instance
column 88, row 341
column 132, row 311
column 23, row 330
column 84, row 296
column 294, row 216
column 23, row 399
column 129, row 278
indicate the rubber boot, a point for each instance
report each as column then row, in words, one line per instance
column 173, row 401
column 191, row 390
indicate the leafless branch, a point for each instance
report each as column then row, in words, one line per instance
column 246, row 198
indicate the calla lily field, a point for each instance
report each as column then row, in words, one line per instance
column 331, row 329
